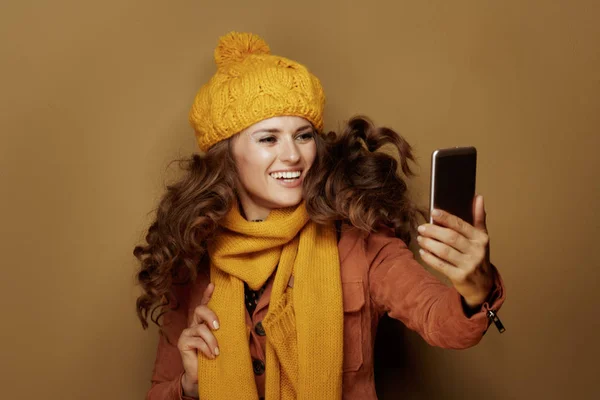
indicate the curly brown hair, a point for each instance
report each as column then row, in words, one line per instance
column 349, row 182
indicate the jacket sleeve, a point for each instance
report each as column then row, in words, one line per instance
column 402, row 288
column 168, row 367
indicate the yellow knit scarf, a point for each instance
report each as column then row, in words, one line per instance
column 304, row 324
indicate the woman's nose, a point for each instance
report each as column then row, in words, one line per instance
column 289, row 152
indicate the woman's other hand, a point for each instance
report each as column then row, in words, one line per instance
column 198, row 337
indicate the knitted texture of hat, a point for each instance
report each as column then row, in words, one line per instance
column 252, row 85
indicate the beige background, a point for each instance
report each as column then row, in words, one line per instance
column 93, row 106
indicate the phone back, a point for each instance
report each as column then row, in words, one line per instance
column 453, row 175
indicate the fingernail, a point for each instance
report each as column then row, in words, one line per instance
column 421, row 251
column 216, row 324
column 419, row 238
column 421, row 228
column 436, row 213
column 216, row 350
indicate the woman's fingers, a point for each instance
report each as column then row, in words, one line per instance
column 441, row 250
column 199, row 335
column 458, row 234
column 479, row 214
column 200, row 345
column 208, row 345
column 451, row 247
column 205, row 333
column 454, row 223
column 210, row 288
column 454, row 247
column 203, row 314
column 437, row 263
column 195, row 344
column 445, row 235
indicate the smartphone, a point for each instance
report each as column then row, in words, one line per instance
column 453, row 172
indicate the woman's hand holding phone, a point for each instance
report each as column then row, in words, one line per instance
column 460, row 251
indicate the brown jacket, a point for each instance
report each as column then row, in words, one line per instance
column 379, row 275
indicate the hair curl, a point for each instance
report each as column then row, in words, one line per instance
column 350, row 181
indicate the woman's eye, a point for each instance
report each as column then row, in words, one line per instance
column 306, row 136
column 268, row 139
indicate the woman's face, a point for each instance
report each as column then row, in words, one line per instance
column 272, row 158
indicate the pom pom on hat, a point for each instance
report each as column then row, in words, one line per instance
column 235, row 47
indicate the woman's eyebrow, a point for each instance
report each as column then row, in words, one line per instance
column 272, row 130
column 276, row 130
column 303, row 128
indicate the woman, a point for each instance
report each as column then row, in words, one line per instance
column 274, row 257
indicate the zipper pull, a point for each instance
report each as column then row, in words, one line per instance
column 494, row 318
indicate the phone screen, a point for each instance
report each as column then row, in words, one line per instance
column 453, row 181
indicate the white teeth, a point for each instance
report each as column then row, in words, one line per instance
column 286, row 175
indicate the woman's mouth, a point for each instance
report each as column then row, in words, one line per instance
column 287, row 178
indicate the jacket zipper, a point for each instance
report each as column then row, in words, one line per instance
column 493, row 317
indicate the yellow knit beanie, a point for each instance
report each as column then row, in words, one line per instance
column 251, row 85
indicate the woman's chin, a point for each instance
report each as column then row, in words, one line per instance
column 287, row 201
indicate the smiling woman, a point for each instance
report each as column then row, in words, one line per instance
column 273, row 157
column 273, row 259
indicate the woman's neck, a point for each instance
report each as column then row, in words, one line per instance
column 252, row 211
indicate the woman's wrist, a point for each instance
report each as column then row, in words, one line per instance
column 188, row 389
